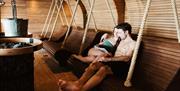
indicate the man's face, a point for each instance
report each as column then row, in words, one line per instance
column 120, row 33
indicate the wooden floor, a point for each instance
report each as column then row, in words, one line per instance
column 47, row 72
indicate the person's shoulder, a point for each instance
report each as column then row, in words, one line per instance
column 133, row 44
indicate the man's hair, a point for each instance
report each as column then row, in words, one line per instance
column 124, row 27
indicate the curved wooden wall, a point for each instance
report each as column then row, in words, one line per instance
column 160, row 20
column 160, row 57
column 6, row 10
column 38, row 10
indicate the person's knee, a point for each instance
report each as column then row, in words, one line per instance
column 92, row 66
column 105, row 70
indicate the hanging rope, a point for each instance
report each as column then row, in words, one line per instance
column 173, row 3
column 108, row 5
column 47, row 18
column 68, row 3
column 51, row 16
column 65, row 16
column 127, row 83
column 61, row 19
column 86, row 28
column 54, row 24
column 69, row 26
column 89, row 3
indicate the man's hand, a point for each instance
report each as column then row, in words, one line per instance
column 103, row 59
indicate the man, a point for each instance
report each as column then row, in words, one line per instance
column 98, row 68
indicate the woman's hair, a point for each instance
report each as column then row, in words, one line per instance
column 124, row 26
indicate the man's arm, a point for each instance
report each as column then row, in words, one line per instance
column 119, row 58
column 123, row 58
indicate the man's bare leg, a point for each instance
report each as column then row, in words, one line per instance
column 75, row 86
column 97, row 78
column 69, row 86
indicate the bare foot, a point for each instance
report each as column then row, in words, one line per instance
column 69, row 86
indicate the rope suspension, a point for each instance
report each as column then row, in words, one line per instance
column 68, row 3
column 108, row 5
column 127, row 83
column 47, row 18
column 87, row 25
column 89, row 3
column 173, row 3
column 51, row 16
column 65, row 15
column 54, row 24
column 61, row 19
column 69, row 26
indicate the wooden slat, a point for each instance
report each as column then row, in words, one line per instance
column 159, row 62
column 160, row 15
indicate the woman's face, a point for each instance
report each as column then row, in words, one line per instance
column 120, row 33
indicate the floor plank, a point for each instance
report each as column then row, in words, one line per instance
column 44, row 78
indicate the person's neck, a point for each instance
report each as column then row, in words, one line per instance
column 127, row 39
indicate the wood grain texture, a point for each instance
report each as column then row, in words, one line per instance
column 158, row 63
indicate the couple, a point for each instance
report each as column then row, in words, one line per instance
column 118, row 47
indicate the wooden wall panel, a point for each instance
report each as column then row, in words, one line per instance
column 38, row 11
column 6, row 10
column 102, row 14
column 159, row 62
column 160, row 58
column 160, row 21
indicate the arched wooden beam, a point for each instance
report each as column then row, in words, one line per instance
column 120, row 7
column 84, row 12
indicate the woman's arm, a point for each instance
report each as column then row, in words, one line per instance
column 104, row 36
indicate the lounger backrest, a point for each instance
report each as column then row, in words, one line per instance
column 95, row 41
column 74, row 40
column 59, row 35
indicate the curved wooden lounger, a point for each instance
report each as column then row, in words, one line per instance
column 112, row 82
column 72, row 45
column 56, row 36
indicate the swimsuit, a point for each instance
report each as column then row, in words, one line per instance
column 106, row 47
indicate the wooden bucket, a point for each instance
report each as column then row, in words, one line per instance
column 13, row 28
